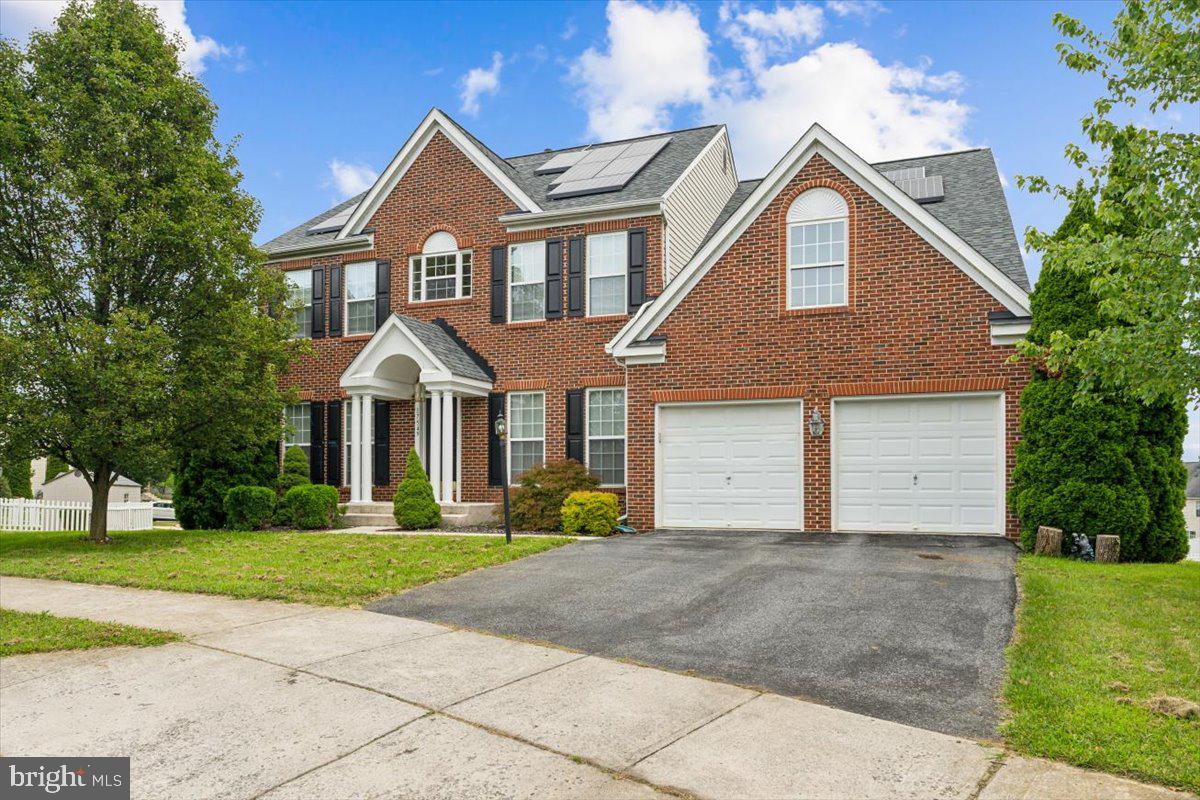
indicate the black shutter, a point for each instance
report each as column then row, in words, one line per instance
column 575, row 424
column 637, row 268
column 383, row 292
column 335, row 301
column 554, row 248
column 495, row 446
column 499, row 279
column 575, row 277
column 382, row 451
column 316, row 442
column 333, row 444
column 318, row 303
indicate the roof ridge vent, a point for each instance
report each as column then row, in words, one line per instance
column 916, row 184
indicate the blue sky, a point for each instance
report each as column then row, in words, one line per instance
column 322, row 94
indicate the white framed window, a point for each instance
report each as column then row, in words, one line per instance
column 441, row 272
column 606, row 435
column 816, row 250
column 607, row 267
column 526, row 281
column 526, row 432
column 299, row 284
column 297, row 429
column 360, row 298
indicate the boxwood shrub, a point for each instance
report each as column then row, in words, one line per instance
column 248, row 508
column 590, row 513
column 312, row 506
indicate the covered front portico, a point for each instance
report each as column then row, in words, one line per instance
column 422, row 362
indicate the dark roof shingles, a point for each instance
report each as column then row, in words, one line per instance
column 445, row 348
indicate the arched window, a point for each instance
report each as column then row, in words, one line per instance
column 441, row 272
column 816, row 249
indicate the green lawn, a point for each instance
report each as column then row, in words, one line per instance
column 22, row 633
column 1094, row 643
column 333, row 569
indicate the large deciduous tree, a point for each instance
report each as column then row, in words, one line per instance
column 1144, row 183
column 132, row 303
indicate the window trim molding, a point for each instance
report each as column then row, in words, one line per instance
column 508, row 396
column 587, row 274
column 788, row 267
column 508, row 281
column 458, row 275
column 346, row 298
column 587, row 435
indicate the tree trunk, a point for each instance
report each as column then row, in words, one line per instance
column 1049, row 541
column 1108, row 549
column 98, row 531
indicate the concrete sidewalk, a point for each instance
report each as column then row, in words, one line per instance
column 287, row 701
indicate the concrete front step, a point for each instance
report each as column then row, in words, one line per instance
column 454, row 515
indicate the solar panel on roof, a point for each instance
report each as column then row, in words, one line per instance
column 916, row 184
column 606, row 169
column 333, row 223
column 561, row 162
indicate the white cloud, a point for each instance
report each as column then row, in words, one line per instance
column 856, row 8
column 18, row 18
column 758, row 34
column 478, row 82
column 660, row 60
column 657, row 58
column 350, row 179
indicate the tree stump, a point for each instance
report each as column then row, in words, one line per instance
column 1049, row 541
column 1108, row 548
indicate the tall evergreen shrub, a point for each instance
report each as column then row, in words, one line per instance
column 414, row 507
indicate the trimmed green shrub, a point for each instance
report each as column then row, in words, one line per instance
column 414, row 507
column 1103, row 464
column 5, row 490
column 18, row 471
column 312, row 506
column 55, row 466
column 537, row 503
column 249, row 508
column 590, row 513
column 295, row 470
column 203, row 476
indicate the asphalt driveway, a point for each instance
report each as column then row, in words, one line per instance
column 907, row 628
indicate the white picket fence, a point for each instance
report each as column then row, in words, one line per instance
column 17, row 514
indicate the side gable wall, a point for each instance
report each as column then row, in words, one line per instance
column 693, row 206
column 915, row 323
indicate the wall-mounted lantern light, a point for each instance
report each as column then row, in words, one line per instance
column 816, row 424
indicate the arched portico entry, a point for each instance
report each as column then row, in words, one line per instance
column 411, row 360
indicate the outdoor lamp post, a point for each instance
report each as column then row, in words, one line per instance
column 502, row 435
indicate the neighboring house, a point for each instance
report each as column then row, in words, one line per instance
column 1191, row 510
column 824, row 348
column 71, row 486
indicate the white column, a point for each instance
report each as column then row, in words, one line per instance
column 435, row 445
column 447, row 446
column 355, row 448
column 368, row 429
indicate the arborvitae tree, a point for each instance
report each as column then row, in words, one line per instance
column 55, row 466
column 1100, row 463
column 295, row 469
column 18, row 473
column 414, row 507
column 203, row 476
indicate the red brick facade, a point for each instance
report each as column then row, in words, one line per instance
column 914, row 323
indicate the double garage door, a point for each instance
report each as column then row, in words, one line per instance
column 931, row 464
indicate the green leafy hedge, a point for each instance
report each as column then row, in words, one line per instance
column 249, row 508
column 310, row 507
column 590, row 513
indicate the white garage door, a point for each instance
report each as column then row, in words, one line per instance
column 919, row 464
column 730, row 465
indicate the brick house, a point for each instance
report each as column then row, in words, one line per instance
column 824, row 348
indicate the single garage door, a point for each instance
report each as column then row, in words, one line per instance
column 731, row 465
column 933, row 464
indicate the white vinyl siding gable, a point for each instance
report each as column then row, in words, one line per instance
column 691, row 207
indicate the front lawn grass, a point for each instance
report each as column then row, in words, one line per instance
column 334, row 569
column 22, row 633
column 1094, row 643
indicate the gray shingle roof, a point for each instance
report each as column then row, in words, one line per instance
column 445, row 348
column 743, row 190
column 974, row 207
column 650, row 183
column 299, row 235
